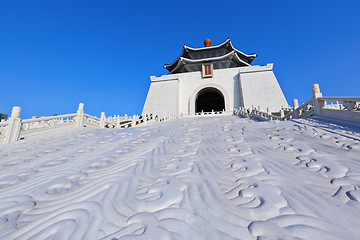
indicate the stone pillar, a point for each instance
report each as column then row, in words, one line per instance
column 315, row 102
column 145, row 119
column 295, row 103
column 338, row 106
column 117, row 121
column 282, row 114
column 15, row 112
column 14, row 127
column 102, row 120
column 133, row 121
column 267, row 114
column 295, row 106
column 315, row 89
column 80, row 116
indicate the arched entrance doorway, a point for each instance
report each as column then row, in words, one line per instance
column 209, row 99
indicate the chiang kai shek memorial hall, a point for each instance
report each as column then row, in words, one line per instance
column 213, row 78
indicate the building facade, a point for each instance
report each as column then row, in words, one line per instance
column 213, row 78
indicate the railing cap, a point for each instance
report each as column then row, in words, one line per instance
column 15, row 112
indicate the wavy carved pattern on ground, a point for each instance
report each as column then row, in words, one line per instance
column 204, row 178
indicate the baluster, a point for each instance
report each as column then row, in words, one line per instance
column 117, row 121
column 102, row 120
column 133, row 123
column 318, row 104
column 295, row 103
column 14, row 126
column 282, row 114
column 80, row 116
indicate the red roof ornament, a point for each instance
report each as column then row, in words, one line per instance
column 207, row 42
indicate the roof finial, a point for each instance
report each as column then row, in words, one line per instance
column 207, row 42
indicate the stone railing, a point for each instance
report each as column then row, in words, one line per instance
column 349, row 109
column 4, row 126
column 36, row 126
column 341, row 108
column 15, row 128
column 304, row 111
column 202, row 113
column 257, row 114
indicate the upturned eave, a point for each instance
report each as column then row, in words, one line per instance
column 174, row 65
column 232, row 55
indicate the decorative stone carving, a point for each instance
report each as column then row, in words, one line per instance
column 3, row 130
column 315, row 88
column 25, row 126
column 81, row 107
column 350, row 105
column 295, row 103
column 16, row 112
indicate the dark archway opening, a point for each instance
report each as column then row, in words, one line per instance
column 209, row 99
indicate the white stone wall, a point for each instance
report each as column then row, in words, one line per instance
column 241, row 87
column 163, row 97
column 259, row 87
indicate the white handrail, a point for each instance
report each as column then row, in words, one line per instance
column 92, row 117
column 31, row 120
column 340, row 99
column 16, row 128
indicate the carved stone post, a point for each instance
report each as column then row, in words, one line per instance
column 133, row 121
column 80, row 116
column 267, row 113
column 295, row 106
column 15, row 112
column 145, row 119
column 117, row 121
column 282, row 114
column 338, row 106
column 295, row 103
column 14, row 128
column 317, row 103
column 102, row 120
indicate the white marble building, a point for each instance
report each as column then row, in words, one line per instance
column 213, row 78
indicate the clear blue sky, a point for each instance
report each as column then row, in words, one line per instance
column 55, row 54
